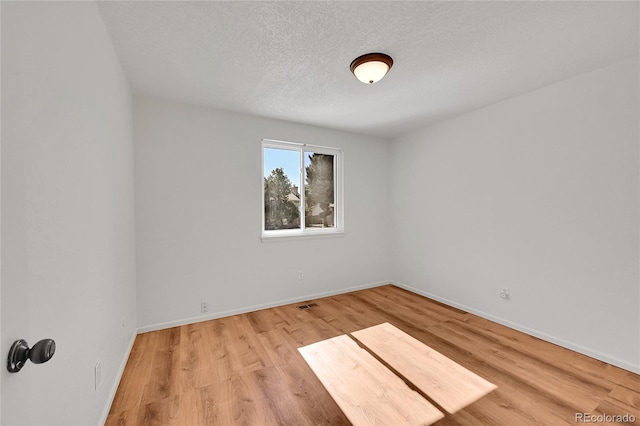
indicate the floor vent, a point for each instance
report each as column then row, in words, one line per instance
column 310, row 305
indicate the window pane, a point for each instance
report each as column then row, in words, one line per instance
column 319, row 190
column 281, row 189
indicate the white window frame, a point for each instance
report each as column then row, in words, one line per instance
column 338, row 212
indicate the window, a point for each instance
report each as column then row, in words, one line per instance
column 301, row 189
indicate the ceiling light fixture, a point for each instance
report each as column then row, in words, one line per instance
column 371, row 67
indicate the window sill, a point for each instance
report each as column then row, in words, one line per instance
column 293, row 236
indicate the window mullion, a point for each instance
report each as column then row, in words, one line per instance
column 303, row 202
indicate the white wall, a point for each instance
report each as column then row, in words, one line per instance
column 198, row 215
column 68, row 253
column 538, row 193
column 0, row 214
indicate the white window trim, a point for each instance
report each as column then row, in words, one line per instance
column 306, row 233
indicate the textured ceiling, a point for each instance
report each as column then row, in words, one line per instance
column 290, row 60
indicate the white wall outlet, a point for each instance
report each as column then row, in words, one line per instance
column 97, row 375
column 504, row 293
column 204, row 307
column 300, row 275
column 124, row 320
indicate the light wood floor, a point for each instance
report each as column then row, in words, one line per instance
column 246, row 369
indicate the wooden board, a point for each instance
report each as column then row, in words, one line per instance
column 447, row 383
column 366, row 391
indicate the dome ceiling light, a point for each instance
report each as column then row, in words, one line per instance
column 371, row 67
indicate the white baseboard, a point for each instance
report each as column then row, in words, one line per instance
column 116, row 381
column 244, row 310
column 532, row 332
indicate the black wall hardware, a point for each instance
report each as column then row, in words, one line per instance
column 20, row 352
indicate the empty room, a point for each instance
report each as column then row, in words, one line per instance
column 320, row 212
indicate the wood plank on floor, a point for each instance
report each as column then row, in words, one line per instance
column 366, row 391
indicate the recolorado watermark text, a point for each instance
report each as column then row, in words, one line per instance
column 604, row 418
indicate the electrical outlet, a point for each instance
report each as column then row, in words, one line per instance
column 204, row 307
column 504, row 293
column 97, row 374
column 300, row 275
column 124, row 320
